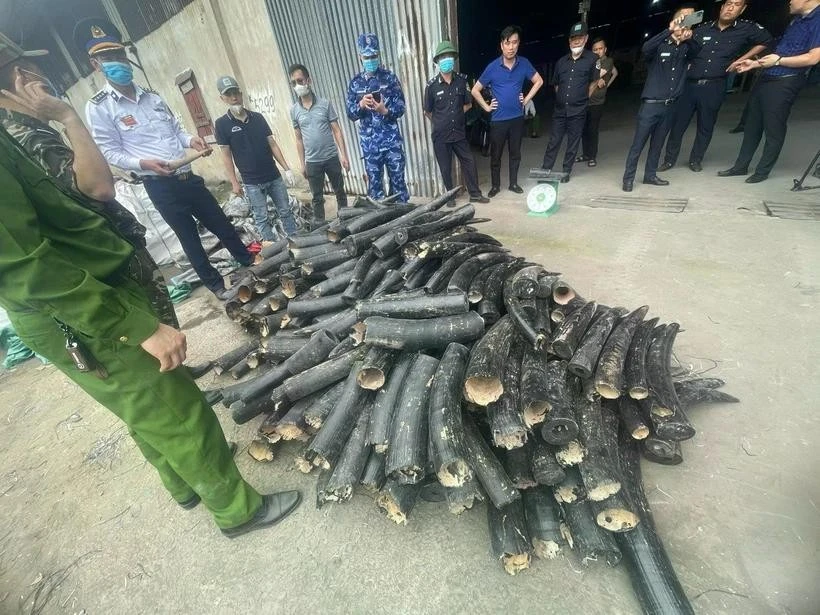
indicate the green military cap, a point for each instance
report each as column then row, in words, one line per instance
column 444, row 47
column 9, row 51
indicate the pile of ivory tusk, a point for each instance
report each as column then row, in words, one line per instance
column 414, row 356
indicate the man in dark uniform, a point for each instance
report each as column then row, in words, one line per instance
column 67, row 282
column 784, row 75
column 574, row 79
column 723, row 41
column 136, row 131
column 446, row 99
column 667, row 55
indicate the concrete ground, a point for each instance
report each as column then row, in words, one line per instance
column 89, row 528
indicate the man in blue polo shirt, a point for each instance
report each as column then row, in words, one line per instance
column 505, row 77
column 784, row 75
column 248, row 143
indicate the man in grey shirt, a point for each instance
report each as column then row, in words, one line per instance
column 319, row 142
column 597, row 97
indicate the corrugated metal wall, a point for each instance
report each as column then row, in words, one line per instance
column 321, row 34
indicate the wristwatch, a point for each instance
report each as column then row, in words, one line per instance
column 777, row 63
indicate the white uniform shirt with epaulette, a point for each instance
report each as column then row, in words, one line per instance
column 127, row 131
column 445, row 104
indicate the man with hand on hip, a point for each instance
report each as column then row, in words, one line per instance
column 247, row 142
column 505, row 77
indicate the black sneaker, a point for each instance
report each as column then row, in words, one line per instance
column 275, row 507
column 479, row 199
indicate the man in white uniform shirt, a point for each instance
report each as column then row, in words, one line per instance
column 136, row 131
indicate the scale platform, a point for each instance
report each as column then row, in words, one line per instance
column 542, row 199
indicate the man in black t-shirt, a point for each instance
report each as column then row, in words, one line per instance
column 247, row 142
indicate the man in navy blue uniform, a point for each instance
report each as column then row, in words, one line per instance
column 505, row 77
column 446, row 99
column 723, row 41
column 375, row 100
column 574, row 79
column 784, row 74
column 667, row 55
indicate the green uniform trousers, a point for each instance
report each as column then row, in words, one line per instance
column 166, row 414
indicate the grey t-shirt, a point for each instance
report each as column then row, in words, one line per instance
column 314, row 123
column 599, row 94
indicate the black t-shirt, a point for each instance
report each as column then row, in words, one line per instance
column 249, row 145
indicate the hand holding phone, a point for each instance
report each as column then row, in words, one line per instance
column 692, row 19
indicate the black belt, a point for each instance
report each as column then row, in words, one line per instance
column 706, row 80
column 660, row 101
column 178, row 176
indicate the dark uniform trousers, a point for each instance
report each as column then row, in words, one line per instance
column 704, row 97
column 501, row 132
column 315, row 173
column 444, row 151
column 182, row 202
column 573, row 128
column 592, row 126
column 654, row 119
column 769, row 107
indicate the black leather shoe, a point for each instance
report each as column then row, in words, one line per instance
column 191, row 502
column 696, row 167
column 655, row 181
column 665, row 167
column 275, row 507
column 732, row 172
column 565, row 179
column 479, row 199
column 516, row 188
column 627, row 187
column 737, row 129
column 493, row 191
column 756, row 179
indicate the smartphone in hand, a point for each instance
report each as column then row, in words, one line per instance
column 692, row 19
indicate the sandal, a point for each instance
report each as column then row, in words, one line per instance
column 592, row 163
column 580, row 158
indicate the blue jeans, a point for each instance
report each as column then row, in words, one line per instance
column 258, row 196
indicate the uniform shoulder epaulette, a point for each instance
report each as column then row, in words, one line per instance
column 432, row 80
column 99, row 97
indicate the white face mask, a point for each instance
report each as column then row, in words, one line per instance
column 576, row 51
column 236, row 109
column 301, row 90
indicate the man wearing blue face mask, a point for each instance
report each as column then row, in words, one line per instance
column 375, row 100
column 136, row 131
column 446, row 99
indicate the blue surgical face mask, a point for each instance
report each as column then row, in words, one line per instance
column 370, row 65
column 119, row 73
column 446, row 65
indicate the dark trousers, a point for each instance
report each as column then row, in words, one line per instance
column 444, row 156
column 500, row 133
column 573, row 128
column 769, row 106
column 181, row 203
column 591, row 127
column 653, row 126
column 703, row 99
column 315, row 173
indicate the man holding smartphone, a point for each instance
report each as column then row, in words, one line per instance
column 505, row 76
column 723, row 41
column 667, row 56
column 375, row 100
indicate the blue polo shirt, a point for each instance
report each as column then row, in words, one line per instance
column 505, row 85
column 802, row 35
column 249, row 145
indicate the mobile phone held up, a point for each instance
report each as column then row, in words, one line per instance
column 692, row 19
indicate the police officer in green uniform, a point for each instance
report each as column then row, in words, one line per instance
column 68, row 283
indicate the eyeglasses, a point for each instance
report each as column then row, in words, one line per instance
column 110, row 56
column 300, row 81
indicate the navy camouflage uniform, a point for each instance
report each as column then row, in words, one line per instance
column 48, row 149
column 379, row 135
